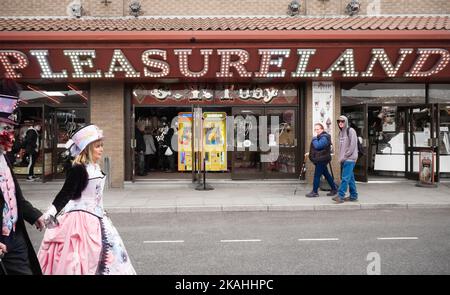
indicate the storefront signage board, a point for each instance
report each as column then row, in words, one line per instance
column 76, row 62
column 220, row 94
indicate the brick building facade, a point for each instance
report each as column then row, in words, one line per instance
column 120, row 8
column 49, row 25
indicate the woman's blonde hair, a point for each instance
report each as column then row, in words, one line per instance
column 85, row 157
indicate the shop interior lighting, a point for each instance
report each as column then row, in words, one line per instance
column 54, row 93
column 35, row 89
column 79, row 92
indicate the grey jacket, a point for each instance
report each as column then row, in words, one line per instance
column 348, row 146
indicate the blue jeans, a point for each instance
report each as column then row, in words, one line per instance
column 348, row 179
column 321, row 169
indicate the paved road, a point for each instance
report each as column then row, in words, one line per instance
column 323, row 242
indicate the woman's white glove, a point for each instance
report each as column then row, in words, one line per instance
column 49, row 217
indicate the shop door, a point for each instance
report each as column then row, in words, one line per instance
column 443, row 164
column 285, row 164
column 48, row 143
column 133, row 144
column 246, row 162
column 421, row 135
column 358, row 119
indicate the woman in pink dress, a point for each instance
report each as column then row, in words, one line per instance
column 80, row 239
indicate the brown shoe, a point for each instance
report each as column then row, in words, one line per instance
column 348, row 199
column 338, row 200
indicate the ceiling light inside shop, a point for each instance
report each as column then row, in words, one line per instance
column 54, row 93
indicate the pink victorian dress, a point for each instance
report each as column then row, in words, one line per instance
column 85, row 242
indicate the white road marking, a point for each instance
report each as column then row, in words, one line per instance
column 157, row 242
column 323, row 239
column 236, row 241
column 399, row 238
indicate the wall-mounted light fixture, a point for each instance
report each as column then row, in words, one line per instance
column 135, row 8
column 353, row 7
column 293, row 8
column 75, row 9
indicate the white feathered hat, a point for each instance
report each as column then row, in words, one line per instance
column 82, row 138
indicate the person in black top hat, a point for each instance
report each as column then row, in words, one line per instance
column 18, row 256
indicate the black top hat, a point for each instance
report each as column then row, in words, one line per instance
column 9, row 94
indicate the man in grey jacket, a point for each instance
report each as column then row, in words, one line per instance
column 348, row 155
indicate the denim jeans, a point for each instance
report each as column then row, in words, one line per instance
column 321, row 169
column 348, row 179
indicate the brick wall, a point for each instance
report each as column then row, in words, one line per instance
column 216, row 7
column 107, row 112
column 38, row 7
column 98, row 8
column 221, row 7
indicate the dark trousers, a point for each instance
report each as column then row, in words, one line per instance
column 322, row 169
column 16, row 260
column 140, row 163
column 150, row 162
column 33, row 158
column 166, row 163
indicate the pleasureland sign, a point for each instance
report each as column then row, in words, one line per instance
column 224, row 64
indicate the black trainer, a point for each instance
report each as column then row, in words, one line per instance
column 332, row 193
column 312, row 195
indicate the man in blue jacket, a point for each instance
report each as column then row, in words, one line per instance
column 320, row 155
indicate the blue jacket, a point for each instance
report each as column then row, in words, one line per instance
column 320, row 149
column 322, row 141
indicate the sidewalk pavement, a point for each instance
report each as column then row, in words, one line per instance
column 281, row 195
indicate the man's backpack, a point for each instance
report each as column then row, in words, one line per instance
column 361, row 151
